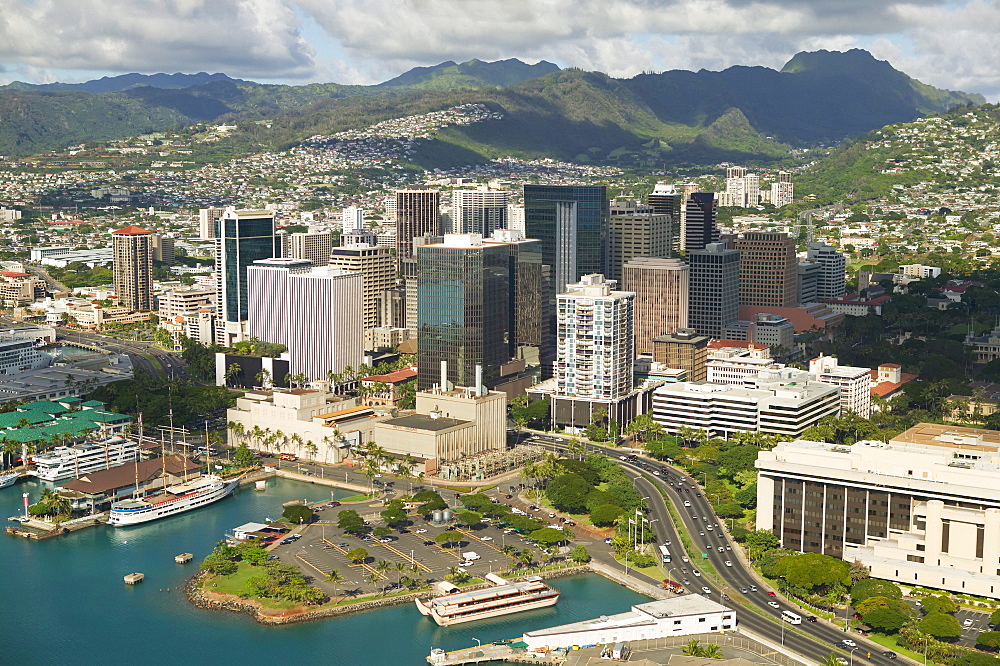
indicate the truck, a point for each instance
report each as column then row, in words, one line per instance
column 471, row 556
column 672, row 586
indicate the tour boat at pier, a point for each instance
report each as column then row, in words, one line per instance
column 72, row 462
column 8, row 479
column 171, row 501
column 515, row 597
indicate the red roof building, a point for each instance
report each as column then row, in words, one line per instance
column 131, row 230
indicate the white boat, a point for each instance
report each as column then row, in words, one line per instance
column 72, row 462
column 462, row 607
column 171, row 501
column 8, row 480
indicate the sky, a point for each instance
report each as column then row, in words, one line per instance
column 952, row 44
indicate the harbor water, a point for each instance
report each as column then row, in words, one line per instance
column 65, row 601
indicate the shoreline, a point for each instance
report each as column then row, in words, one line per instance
column 201, row 598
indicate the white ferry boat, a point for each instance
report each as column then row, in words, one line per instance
column 172, row 500
column 71, row 462
column 515, row 597
column 8, row 479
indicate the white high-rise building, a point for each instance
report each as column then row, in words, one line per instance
column 832, row 274
column 352, row 218
column 783, row 190
column 478, row 211
column 314, row 246
column 595, row 343
column 325, row 321
column 268, row 281
column 206, row 222
column 515, row 218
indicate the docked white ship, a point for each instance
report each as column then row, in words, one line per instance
column 8, row 479
column 172, row 500
column 71, row 462
column 503, row 599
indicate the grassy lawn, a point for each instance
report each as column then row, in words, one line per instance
column 354, row 498
column 236, row 584
column 889, row 642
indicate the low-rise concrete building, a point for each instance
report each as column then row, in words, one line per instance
column 922, row 509
column 681, row 616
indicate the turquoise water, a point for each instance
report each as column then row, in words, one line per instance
column 63, row 600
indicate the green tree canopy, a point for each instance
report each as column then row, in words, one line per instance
column 350, row 521
column 548, row 536
column 873, row 587
column 596, row 498
column 886, row 620
column 449, row 538
column 730, row 510
column 568, row 492
column 976, row 659
column 580, row 554
column 988, row 639
column 297, row 513
column 870, row 604
column 940, row 625
column 605, row 515
column 995, row 617
column 357, row 555
column 938, row 604
column 589, row 474
column 747, row 497
column 759, row 542
column 814, row 570
column 737, row 459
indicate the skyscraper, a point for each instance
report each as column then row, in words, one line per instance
column 479, row 211
column 700, row 212
column 714, row 293
column 768, row 269
column 595, row 331
column 377, row 271
column 352, row 218
column 832, row 275
column 661, row 297
column 242, row 237
column 133, row 267
column 478, row 304
column 268, row 281
column 325, row 322
column 635, row 231
column 417, row 213
column 669, row 200
column 783, row 190
column 314, row 246
column 571, row 221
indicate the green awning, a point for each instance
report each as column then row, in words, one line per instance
column 519, row 644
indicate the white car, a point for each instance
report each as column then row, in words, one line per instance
column 849, row 643
column 421, row 531
column 687, row 503
column 487, row 538
column 967, row 623
column 465, row 564
column 696, row 572
column 706, row 590
column 773, row 604
column 728, row 563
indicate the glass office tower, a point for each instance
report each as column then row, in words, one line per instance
column 242, row 237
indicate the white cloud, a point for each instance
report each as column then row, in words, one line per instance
column 251, row 37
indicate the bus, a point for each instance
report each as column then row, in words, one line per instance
column 664, row 555
column 791, row 618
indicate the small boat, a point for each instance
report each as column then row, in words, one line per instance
column 7, row 480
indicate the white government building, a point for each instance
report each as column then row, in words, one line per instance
column 784, row 401
column 922, row 509
column 680, row 616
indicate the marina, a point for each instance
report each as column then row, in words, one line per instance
column 396, row 635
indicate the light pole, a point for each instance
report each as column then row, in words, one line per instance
column 479, row 643
column 926, row 646
column 852, row 655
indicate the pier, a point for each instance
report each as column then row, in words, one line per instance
column 40, row 529
column 507, row 653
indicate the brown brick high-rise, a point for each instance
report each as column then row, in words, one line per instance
column 768, row 269
column 133, row 267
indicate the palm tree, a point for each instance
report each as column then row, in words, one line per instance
column 400, row 568
column 692, row 649
column 237, row 429
column 336, row 578
column 373, row 578
column 832, row 660
column 711, row 651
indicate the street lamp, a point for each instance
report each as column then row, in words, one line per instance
column 926, row 646
column 852, row 655
column 479, row 643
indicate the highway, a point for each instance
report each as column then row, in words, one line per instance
column 164, row 363
column 764, row 620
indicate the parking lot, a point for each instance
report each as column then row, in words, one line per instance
column 323, row 547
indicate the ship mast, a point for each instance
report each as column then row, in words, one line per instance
column 135, row 491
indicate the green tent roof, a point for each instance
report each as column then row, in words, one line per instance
column 11, row 419
column 93, row 403
column 69, row 400
column 43, row 406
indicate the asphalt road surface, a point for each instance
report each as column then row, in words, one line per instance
column 163, row 363
column 813, row 640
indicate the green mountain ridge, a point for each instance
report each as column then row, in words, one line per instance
column 678, row 117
